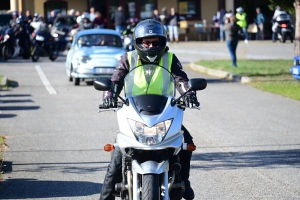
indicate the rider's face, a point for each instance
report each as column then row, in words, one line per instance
column 150, row 42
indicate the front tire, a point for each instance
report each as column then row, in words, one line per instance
column 150, row 187
column 7, row 52
column 35, row 54
column 53, row 55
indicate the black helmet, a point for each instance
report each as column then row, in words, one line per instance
column 146, row 29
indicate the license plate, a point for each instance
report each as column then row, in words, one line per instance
column 295, row 71
column 103, row 70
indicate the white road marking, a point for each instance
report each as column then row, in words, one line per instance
column 45, row 81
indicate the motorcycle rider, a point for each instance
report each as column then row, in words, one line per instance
column 13, row 21
column 278, row 11
column 150, row 39
column 86, row 22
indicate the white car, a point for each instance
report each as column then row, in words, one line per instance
column 94, row 53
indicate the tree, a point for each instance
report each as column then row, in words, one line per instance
column 293, row 7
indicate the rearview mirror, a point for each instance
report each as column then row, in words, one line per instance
column 197, row 84
column 103, row 84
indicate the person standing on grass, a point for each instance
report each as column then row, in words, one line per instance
column 232, row 36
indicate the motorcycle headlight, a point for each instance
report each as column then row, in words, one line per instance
column 6, row 37
column 150, row 135
column 84, row 59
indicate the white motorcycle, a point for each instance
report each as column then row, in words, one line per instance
column 150, row 136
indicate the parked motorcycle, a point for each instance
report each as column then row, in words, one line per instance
column 10, row 44
column 150, row 136
column 44, row 43
column 283, row 28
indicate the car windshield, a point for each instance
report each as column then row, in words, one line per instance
column 149, row 86
column 65, row 21
column 99, row 40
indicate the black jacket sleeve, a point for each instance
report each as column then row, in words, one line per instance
column 180, row 76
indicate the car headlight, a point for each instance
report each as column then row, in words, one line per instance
column 83, row 59
column 150, row 135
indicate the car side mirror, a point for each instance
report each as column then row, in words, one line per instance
column 103, row 84
column 197, row 84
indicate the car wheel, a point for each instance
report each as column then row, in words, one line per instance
column 76, row 81
column 70, row 76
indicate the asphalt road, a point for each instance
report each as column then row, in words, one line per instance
column 248, row 141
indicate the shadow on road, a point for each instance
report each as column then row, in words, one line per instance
column 33, row 188
column 238, row 160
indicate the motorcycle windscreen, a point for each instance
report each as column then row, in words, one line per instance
column 149, row 86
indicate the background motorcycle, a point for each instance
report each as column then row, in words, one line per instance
column 283, row 28
column 150, row 139
column 44, row 42
column 10, row 44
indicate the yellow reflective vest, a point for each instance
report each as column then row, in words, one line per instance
column 241, row 19
column 159, row 83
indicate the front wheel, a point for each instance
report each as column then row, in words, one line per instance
column 150, row 187
column 35, row 54
column 53, row 55
column 7, row 52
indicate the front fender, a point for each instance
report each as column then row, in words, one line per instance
column 150, row 167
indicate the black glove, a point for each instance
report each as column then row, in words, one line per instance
column 191, row 100
column 110, row 102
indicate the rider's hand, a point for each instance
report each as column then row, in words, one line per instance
column 110, row 102
column 191, row 100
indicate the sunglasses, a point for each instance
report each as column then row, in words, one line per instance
column 154, row 43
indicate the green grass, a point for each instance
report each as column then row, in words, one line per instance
column 252, row 68
column 1, row 76
column 267, row 75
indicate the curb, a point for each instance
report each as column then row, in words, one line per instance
column 3, row 82
column 219, row 73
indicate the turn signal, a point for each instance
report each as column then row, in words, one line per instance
column 109, row 147
column 191, row 147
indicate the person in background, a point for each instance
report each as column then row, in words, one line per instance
column 241, row 18
column 173, row 27
column 13, row 21
column 221, row 16
column 164, row 18
column 215, row 23
column 232, row 29
column 28, row 17
column 99, row 21
column 71, row 12
column 260, row 20
column 92, row 14
column 86, row 22
column 51, row 18
column 156, row 15
column 120, row 20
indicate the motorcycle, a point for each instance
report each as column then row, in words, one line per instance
column 127, row 37
column 283, row 28
column 10, row 45
column 44, row 42
column 150, row 136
